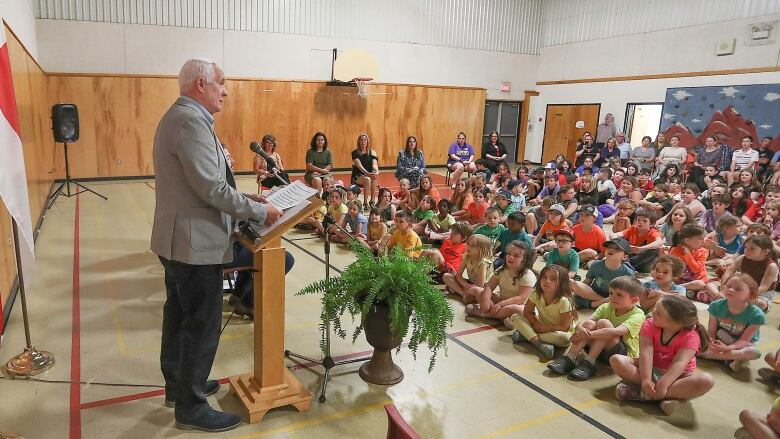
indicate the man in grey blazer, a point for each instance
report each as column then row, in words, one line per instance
column 197, row 205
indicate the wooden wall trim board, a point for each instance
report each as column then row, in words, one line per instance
column 523, row 128
column 663, row 75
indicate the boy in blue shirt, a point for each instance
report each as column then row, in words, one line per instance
column 515, row 231
column 563, row 254
column 594, row 290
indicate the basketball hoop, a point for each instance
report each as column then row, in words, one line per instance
column 363, row 86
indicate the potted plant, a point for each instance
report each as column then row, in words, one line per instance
column 389, row 292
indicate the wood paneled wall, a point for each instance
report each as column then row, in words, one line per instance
column 118, row 116
column 30, row 87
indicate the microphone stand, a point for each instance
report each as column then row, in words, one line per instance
column 327, row 362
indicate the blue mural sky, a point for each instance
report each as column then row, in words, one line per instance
column 693, row 106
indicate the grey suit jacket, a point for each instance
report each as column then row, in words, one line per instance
column 195, row 206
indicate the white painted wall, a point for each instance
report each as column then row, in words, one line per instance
column 21, row 19
column 127, row 48
column 687, row 49
column 614, row 96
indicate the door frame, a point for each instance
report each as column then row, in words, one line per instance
column 547, row 109
column 498, row 120
column 625, row 114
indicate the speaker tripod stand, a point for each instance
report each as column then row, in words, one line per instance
column 327, row 362
column 64, row 187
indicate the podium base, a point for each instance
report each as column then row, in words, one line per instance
column 258, row 401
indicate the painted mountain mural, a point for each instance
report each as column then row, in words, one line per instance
column 728, row 113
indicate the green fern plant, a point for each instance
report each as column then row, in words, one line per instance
column 396, row 280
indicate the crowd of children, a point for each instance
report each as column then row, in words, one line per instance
column 671, row 244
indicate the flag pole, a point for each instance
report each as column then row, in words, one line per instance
column 31, row 361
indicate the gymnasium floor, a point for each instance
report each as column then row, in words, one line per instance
column 96, row 302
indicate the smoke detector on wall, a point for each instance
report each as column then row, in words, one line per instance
column 725, row 47
column 761, row 33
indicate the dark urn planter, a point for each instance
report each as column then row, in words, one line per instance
column 380, row 369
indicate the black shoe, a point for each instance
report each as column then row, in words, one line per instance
column 562, row 365
column 207, row 419
column 244, row 311
column 584, row 370
column 211, row 387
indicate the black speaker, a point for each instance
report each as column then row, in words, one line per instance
column 65, row 122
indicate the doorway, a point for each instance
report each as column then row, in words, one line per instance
column 563, row 125
column 642, row 119
column 504, row 118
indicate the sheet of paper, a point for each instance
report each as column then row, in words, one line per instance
column 291, row 195
column 288, row 213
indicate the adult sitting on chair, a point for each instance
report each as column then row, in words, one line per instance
column 460, row 157
column 410, row 163
column 319, row 161
column 267, row 172
column 243, row 290
column 493, row 152
column 365, row 169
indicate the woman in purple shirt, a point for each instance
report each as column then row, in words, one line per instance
column 460, row 157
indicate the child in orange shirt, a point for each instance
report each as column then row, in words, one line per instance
column 588, row 237
column 449, row 256
column 545, row 239
column 477, row 209
column 402, row 198
column 689, row 246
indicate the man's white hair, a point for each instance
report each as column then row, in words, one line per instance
column 193, row 69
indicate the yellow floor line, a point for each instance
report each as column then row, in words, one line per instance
column 538, row 420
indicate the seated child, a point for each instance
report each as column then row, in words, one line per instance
column 612, row 329
column 755, row 425
column 643, row 239
column 594, row 290
column 386, row 206
column 475, row 212
column 725, row 239
column 666, row 269
column 377, row 229
column 548, row 317
column 665, row 370
column 448, row 257
column 483, row 170
column 538, row 215
column 544, row 240
column 402, row 198
column 504, row 204
column 477, row 265
column 518, row 195
column 689, row 246
column 646, row 185
column 624, row 216
column 492, row 227
column 336, row 209
column 354, row 221
column 659, row 202
column 734, row 324
column 563, row 254
column 759, row 263
column 514, row 231
column 423, row 214
column 480, row 185
column 403, row 235
column 588, row 237
column 506, row 292
column 438, row 228
column 709, row 219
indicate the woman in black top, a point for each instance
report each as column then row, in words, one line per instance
column 365, row 169
column 493, row 152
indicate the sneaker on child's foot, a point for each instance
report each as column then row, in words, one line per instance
column 517, row 337
column 627, row 392
column 562, row 365
column 548, row 350
column 668, row 406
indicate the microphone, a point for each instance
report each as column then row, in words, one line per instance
column 257, row 149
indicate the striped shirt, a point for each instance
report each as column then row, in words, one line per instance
column 742, row 159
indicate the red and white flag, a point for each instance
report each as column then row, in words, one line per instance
column 13, row 178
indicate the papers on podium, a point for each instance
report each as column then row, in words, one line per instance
column 291, row 199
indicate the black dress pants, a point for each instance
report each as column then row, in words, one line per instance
column 190, row 334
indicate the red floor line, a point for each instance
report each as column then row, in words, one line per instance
column 75, row 350
column 307, row 365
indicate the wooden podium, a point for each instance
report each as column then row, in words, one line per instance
column 270, row 384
